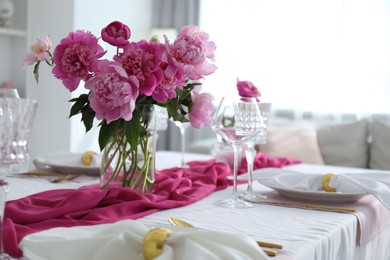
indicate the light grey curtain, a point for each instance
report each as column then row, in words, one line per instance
column 176, row 14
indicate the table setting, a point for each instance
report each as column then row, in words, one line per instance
column 197, row 211
column 131, row 200
column 175, row 187
column 202, row 213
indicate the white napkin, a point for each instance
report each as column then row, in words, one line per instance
column 375, row 183
column 124, row 239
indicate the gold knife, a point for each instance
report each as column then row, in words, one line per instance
column 310, row 206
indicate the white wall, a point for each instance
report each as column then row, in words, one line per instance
column 51, row 129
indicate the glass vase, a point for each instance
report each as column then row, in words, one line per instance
column 131, row 168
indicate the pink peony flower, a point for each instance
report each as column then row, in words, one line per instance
column 201, row 109
column 247, row 89
column 39, row 51
column 116, row 34
column 113, row 92
column 191, row 53
column 75, row 57
column 167, row 88
column 142, row 59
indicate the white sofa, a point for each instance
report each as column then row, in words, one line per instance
column 363, row 143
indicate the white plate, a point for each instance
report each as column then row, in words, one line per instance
column 318, row 196
column 65, row 162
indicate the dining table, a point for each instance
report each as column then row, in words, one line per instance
column 306, row 233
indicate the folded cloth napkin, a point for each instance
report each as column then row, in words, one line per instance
column 375, row 183
column 125, row 239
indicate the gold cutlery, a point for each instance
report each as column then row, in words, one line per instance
column 48, row 174
column 181, row 223
column 41, row 173
column 63, row 178
column 310, row 206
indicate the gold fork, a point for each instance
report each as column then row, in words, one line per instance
column 47, row 175
column 63, row 178
column 181, row 223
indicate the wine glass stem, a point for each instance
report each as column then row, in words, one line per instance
column 183, row 147
column 236, row 150
column 250, row 154
column 3, row 197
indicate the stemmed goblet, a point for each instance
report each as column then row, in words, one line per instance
column 250, row 153
column 6, row 99
column 236, row 120
column 3, row 198
column 182, row 127
column 16, row 116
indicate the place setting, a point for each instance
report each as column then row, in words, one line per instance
column 327, row 188
column 130, row 238
column 63, row 167
column 66, row 162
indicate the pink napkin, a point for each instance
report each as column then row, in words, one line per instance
column 90, row 205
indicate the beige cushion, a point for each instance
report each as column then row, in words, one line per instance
column 380, row 147
column 345, row 144
column 298, row 142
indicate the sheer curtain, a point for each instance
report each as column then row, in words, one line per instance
column 313, row 55
column 175, row 13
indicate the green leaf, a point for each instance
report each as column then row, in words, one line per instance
column 133, row 129
column 80, row 103
column 36, row 71
column 87, row 118
column 106, row 131
column 176, row 111
column 51, row 63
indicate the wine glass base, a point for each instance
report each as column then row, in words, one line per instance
column 4, row 256
column 252, row 197
column 232, row 203
column 185, row 166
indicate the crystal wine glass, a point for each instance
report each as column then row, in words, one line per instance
column 3, row 198
column 7, row 97
column 9, row 92
column 250, row 153
column 182, row 127
column 16, row 116
column 236, row 121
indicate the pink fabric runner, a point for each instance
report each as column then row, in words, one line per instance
column 372, row 216
column 90, row 205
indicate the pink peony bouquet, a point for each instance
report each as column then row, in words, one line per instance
column 141, row 73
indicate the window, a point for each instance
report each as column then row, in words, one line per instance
column 317, row 55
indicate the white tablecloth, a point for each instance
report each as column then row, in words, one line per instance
column 310, row 234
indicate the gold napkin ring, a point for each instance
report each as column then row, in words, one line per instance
column 325, row 182
column 154, row 242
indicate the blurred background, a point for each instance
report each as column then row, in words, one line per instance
column 308, row 57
